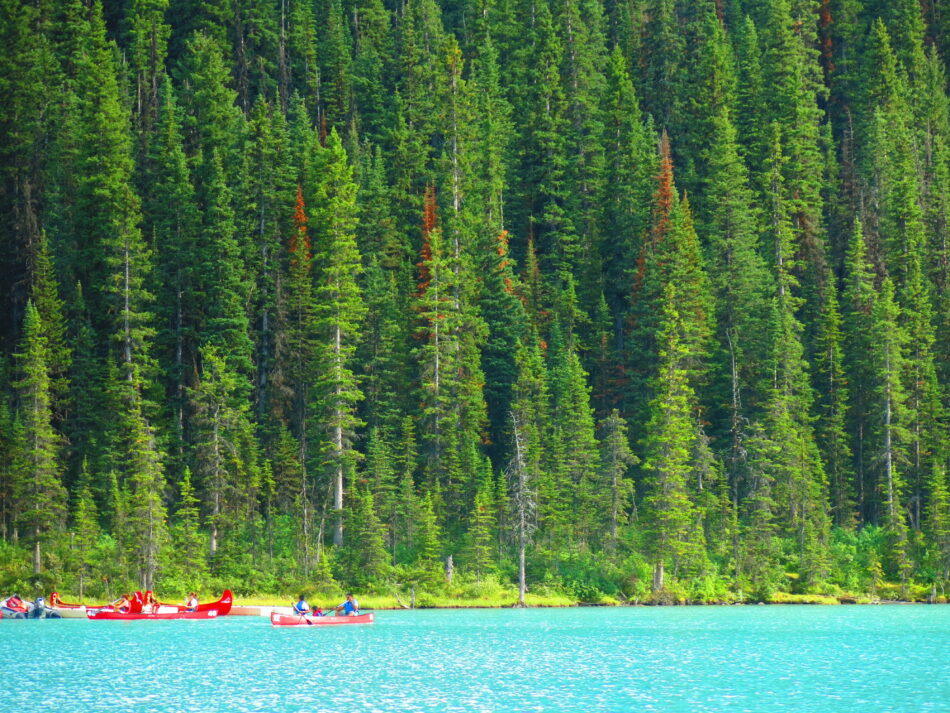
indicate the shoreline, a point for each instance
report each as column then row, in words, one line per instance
column 798, row 601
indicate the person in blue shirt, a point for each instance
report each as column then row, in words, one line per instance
column 350, row 607
column 301, row 607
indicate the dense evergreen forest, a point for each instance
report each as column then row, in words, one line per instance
column 651, row 298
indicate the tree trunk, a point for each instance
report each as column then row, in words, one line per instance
column 216, row 497
column 658, row 577
column 888, row 456
column 522, row 541
column 37, row 561
column 338, row 441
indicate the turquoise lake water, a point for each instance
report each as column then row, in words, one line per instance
column 781, row 658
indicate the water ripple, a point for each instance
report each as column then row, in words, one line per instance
column 759, row 659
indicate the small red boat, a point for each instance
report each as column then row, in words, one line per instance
column 105, row 614
column 211, row 610
column 299, row 620
column 222, row 606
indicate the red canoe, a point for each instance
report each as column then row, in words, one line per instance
column 222, row 606
column 105, row 614
column 210, row 610
column 297, row 620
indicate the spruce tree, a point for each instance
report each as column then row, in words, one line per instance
column 340, row 311
column 616, row 459
column 225, row 450
column 45, row 294
column 85, row 523
column 188, row 540
column 628, row 185
column 890, row 425
column 667, row 509
column 172, row 220
column 145, row 480
column 365, row 557
column 37, row 471
column 482, row 527
column 859, row 297
column 831, row 389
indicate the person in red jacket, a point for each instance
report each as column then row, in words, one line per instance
column 15, row 605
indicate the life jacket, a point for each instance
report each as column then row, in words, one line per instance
column 16, row 604
column 135, row 606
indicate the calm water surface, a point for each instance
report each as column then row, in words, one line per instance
column 823, row 659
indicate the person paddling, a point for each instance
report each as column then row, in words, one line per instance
column 350, row 607
column 301, row 607
column 192, row 602
column 122, row 604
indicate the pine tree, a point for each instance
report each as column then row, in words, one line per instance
column 372, row 46
column 892, row 416
column 831, row 388
column 800, row 487
column 663, row 50
column 506, row 322
column 189, row 542
column 340, row 311
column 859, row 297
column 927, row 414
column 666, row 444
column 296, row 356
column 741, row 284
column 37, row 473
column 221, row 278
column 616, row 459
column 225, row 451
column 97, row 209
column 85, row 522
column 171, row 221
column 269, row 190
column 380, row 474
column 937, row 527
column 45, row 295
column 367, row 561
column 148, row 35
column 211, row 122
column 576, row 459
column 630, row 168
column 702, row 94
column 8, row 500
column 750, row 99
column 542, row 125
column 145, row 480
column 671, row 254
column 482, row 527
column 333, row 57
column 584, row 55
column 28, row 71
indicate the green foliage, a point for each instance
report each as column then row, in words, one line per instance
column 313, row 296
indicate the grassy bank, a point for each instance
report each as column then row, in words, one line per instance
column 508, row 598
